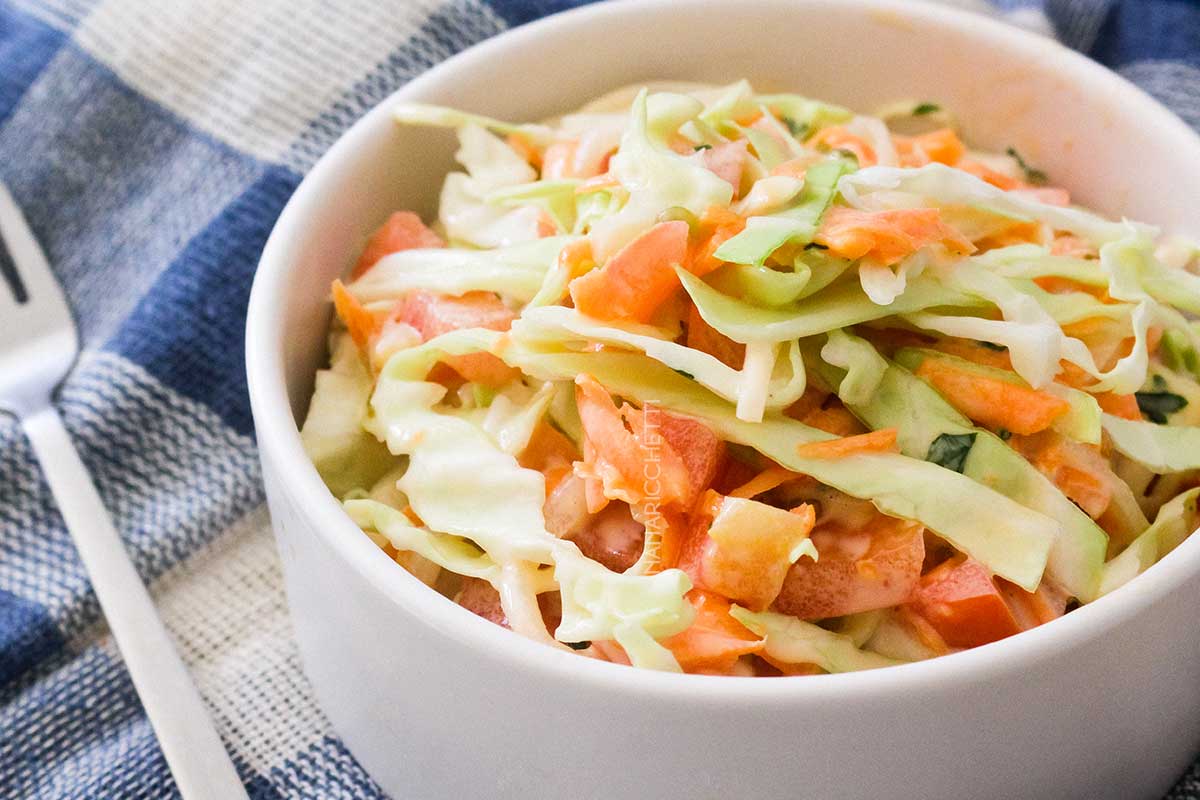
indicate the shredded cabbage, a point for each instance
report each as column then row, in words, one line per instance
column 794, row 641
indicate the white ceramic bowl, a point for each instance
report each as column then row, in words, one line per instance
column 438, row 703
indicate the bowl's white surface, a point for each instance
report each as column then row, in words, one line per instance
column 438, row 703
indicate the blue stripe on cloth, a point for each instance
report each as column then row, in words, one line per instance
column 326, row 770
column 27, row 636
column 518, row 12
column 26, row 46
column 112, row 183
column 78, row 731
column 188, row 329
column 1136, row 30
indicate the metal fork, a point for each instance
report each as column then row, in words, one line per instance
column 38, row 345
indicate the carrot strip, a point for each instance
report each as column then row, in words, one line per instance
column 765, row 481
column 361, row 323
column 880, row 441
column 403, row 230
column 1119, row 405
column 637, row 279
column 836, row 137
column 886, row 236
column 993, row 402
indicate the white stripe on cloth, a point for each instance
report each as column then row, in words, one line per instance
column 251, row 74
column 61, row 14
column 171, row 473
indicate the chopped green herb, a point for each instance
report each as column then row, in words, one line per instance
column 815, row 246
column 999, row 348
column 1032, row 174
column 798, row 129
column 950, row 450
column 685, row 374
column 1158, row 383
column 926, row 108
column 1156, row 406
column 700, row 147
column 584, row 645
column 1005, row 434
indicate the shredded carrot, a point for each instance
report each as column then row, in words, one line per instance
column 707, row 339
column 559, row 160
column 717, row 225
column 941, row 145
column 836, row 137
column 835, row 418
column 636, row 280
column 993, row 402
column 361, row 323
column 986, row 173
column 524, row 149
column 886, row 236
column 796, row 167
column 1119, row 405
column 880, row 441
column 765, row 481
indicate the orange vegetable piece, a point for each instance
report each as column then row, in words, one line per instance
column 619, row 460
column 403, row 230
column 717, row 225
column 765, row 481
column 993, row 402
column 704, row 337
column 637, row 279
column 361, row 323
column 861, row 567
column 961, row 601
column 715, row 640
column 836, row 137
column 880, row 441
column 434, row 314
column 1119, row 405
column 886, row 236
column 524, row 149
column 986, row 173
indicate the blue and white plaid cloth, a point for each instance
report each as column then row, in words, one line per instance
column 152, row 145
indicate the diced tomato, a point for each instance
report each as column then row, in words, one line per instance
column 745, row 565
column 403, row 230
column 638, row 279
column 550, row 453
column 1031, row 609
column 886, row 236
column 480, row 597
column 433, row 314
column 726, row 161
column 704, row 337
column 612, row 537
column 961, row 601
column 858, row 569
column 715, row 640
column 701, row 450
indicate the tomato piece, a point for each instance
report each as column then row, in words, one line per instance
column 961, row 601
column 403, row 230
column 715, row 640
column 434, row 314
column 877, row 565
column 612, row 537
column 705, row 338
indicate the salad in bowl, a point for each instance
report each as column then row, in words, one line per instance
column 709, row 380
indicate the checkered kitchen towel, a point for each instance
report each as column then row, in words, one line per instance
column 152, row 144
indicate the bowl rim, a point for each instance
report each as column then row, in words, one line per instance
column 279, row 439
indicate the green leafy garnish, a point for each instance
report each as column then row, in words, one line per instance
column 950, row 450
column 584, row 645
column 700, row 147
column 999, row 348
column 685, row 374
column 1156, row 406
column 797, row 129
column 1032, row 174
column 926, row 108
column 1005, row 434
column 816, row 246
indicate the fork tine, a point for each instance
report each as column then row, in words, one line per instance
column 32, row 268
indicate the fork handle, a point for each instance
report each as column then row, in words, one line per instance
column 197, row 759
